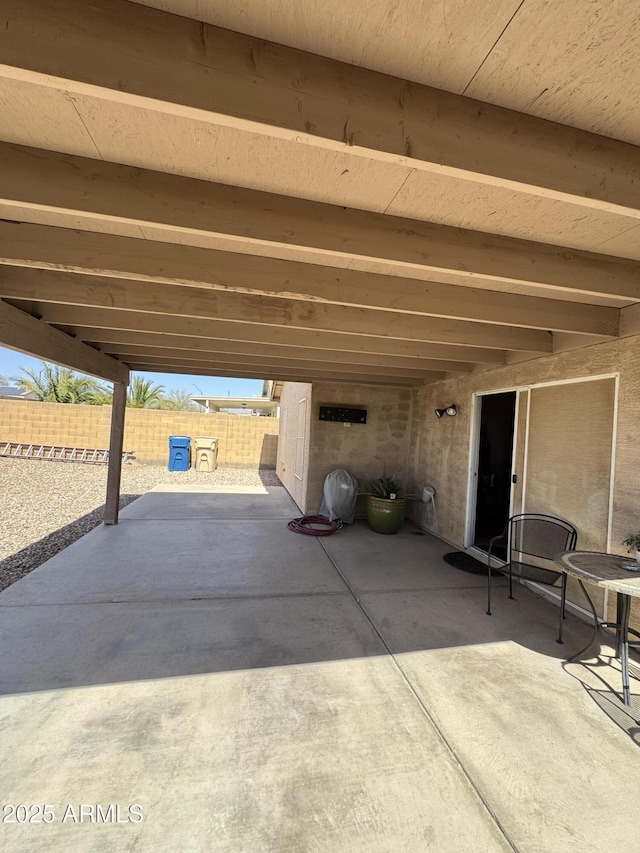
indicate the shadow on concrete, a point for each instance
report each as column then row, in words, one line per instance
column 153, row 599
column 625, row 717
column 268, row 477
column 605, row 669
column 18, row 565
column 318, row 668
column 196, row 582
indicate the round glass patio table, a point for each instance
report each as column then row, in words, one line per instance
column 607, row 571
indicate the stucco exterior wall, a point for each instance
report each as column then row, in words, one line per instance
column 439, row 452
column 244, row 441
column 440, row 448
column 365, row 450
column 403, row 432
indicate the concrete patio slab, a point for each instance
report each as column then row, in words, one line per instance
column 559, row 774
column 190, row 502
column 213, row 489
column 156, row 561
column 411, row 620
column 250, row 702
column 326, row 757
column 50, row 647
column 408, row 560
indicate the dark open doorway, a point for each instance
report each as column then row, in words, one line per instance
column 495, row 453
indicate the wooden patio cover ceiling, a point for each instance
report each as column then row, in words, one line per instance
column 179, row 197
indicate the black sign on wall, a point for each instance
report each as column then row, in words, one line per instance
column 342, row 415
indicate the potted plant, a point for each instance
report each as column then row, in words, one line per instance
column 633, row 543
column 386, row 504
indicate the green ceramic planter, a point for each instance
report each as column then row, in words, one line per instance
column 385, row 516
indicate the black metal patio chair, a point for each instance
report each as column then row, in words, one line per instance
column 539, row 536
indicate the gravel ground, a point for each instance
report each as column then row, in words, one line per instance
column 45, row 506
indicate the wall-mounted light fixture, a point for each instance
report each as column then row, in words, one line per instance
column 451, row 410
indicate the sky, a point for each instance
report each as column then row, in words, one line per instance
column 214, row 386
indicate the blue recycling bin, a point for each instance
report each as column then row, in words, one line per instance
column 179, row 447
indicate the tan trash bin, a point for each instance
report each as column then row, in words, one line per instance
column 206, row 455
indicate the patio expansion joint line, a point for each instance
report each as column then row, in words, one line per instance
column 447, row 743
column 174, row 600
column 216, row 519
column 415, row 589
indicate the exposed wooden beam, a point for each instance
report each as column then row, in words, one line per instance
column 283, row 374
column 66, row 187
column 630, row 320
column 231, row 362
column 100, row 320
column 105, row 255
column 27, row 334
column 152, row 298
column 112, row 341
column 126, row 53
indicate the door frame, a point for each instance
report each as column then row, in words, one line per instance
column 614, row 436
column 474, row 452
column 474, row 446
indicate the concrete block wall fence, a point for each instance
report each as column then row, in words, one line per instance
column 244, row 441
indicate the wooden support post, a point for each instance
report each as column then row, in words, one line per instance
column 112, row 502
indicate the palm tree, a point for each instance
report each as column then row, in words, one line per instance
column 143, row 393
column 55, row 384
column 178, row 400
column 102, row 396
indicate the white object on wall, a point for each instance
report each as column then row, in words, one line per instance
column 429, row 496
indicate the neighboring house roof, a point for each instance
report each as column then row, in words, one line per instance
column 8, row 392
column 216, row 404
column 272, row 389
